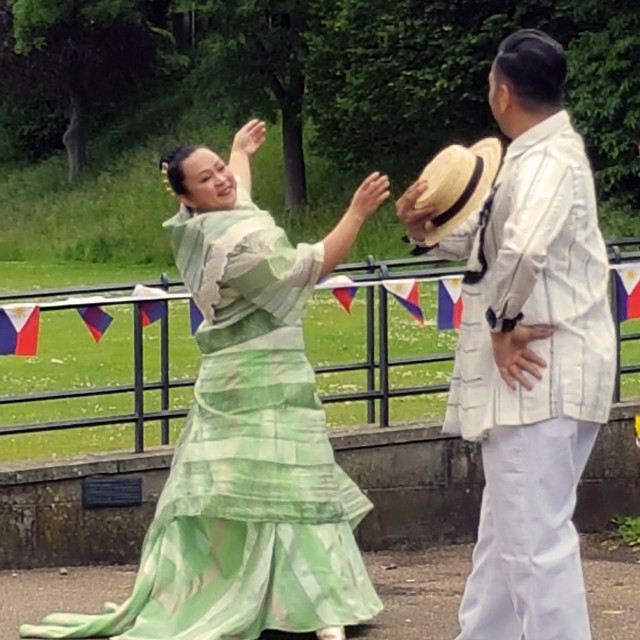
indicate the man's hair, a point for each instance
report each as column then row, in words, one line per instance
column 534, row 65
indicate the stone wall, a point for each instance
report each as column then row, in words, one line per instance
column 426, row 490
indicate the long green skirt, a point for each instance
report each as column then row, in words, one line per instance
column 208, row 579
column 253, row 529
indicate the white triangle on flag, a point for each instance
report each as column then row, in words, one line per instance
column 336, row 282
column 400, row 288
column 141, row 291
column 629, row 275
column 453, row 287
column 19, row 314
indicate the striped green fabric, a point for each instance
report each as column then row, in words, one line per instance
column 209, row 579
column 253, row 529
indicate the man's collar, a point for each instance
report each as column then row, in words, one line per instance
column 551, row 125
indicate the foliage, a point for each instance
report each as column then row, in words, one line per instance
column 605, row 93
column 71, row 56
column 391, row 82
column 251, row 62
column 629, row 529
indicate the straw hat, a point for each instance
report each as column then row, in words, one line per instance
column 459, row 180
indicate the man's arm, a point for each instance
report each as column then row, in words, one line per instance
column 542, row 202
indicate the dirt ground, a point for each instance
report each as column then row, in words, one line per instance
column 420, row 589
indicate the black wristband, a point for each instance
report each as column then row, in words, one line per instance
column 501, row 325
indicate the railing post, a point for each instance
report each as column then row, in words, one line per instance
column 164, row 364
column 615, row 302
column 371, row 343
column 138, row 378
column 383, row 347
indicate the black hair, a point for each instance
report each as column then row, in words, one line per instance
column 535, row 66
column 174, row 158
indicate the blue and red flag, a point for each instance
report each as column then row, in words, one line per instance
column 96, row 319
column 342, row 288
column 628, row 291
column 150, row 310
column 449, row 303
column 407, row 294
column 19, row 329
column 195, row 316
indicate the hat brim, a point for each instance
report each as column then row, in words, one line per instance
column 490, row 150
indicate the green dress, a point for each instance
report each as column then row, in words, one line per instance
column 253, row 529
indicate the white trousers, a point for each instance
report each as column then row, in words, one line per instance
column 527, row 575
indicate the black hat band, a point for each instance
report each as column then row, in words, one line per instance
column 460, row 203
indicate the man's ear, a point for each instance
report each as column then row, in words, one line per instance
column 504, row 97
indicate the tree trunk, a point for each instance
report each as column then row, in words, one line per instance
column 75, row 138
column 295, row 173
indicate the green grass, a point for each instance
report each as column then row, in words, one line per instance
column 114, row 213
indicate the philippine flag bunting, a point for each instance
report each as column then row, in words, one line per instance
column 449, row 303
column 96, row 319
column 195, row 316
column 19, row 329
column 627, row 290
column 343, row 289
column 151, row 311
column 407, row 294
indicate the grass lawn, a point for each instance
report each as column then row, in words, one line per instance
column 68, row 358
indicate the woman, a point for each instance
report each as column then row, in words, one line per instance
column 253, row 529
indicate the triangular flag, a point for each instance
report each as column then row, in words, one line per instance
column 342, row 288
column 407, row 294
column 151, row 311
column 627, row 280
column 195, row 316
column 96, row 319
column 449, row 303
column 19, row 329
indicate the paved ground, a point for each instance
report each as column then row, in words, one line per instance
column 420, row 589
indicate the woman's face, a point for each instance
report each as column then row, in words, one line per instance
column 209, row 182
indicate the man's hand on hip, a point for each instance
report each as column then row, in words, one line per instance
column 513, row 356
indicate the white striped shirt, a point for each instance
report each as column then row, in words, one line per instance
column 547, row 260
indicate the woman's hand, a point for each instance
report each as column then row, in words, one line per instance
column 368, row 197
column 414, row 219
column 250, row 138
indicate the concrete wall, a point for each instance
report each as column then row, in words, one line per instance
column 426, row 489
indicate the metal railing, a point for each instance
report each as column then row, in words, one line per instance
column 377, row 393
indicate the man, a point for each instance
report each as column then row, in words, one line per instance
column 535, row 363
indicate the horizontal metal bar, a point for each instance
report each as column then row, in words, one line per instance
column 414, row 391
column 60, row 425
column 630, row 368
column 332, row 398
column 89, row 392
column 629, row 336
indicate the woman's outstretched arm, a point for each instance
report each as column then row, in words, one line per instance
column 366, row 200
column 246, row 142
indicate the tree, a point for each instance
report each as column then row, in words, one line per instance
column 77, row 53
column 605, row 92
column 252, row 56
column 389, row 83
